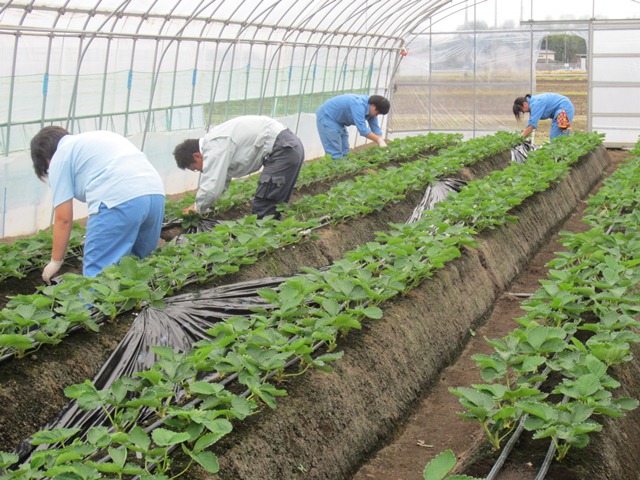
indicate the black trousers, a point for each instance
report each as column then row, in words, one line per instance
column 279, row 174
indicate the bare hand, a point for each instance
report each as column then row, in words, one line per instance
column 190, row 210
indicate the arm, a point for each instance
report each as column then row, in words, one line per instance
column 63, row 220
column 376, row 138
column 359, row 114
column 527, row 131
column 373, row 137
column 376, row 132
column 62, row 223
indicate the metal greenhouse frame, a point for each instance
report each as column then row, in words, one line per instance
column 160, row 71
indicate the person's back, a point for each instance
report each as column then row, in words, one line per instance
column 239, row 147
column 340, row 109
column 101, row 167
column 545, row 105
column 124, row 193
column 245, row 141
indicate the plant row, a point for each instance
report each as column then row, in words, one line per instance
column 579, row 324
column 317, row 306
column 241, row 190
column 27, row 254
column 45, row 317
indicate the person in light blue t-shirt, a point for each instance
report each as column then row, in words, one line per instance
column 342, row 111
column 124, row 194
column 545, row 106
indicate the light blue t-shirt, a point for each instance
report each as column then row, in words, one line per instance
column 350, row 109
column 101, row 167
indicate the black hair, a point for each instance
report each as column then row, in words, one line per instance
column 183, row 153
column 382, row 104
column 518, row 105
column 43, row 145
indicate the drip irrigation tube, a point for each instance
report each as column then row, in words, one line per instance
column 544, row 468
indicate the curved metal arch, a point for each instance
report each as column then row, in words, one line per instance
column 230, row 45
column 346, row 25
column 83, row 53
column 159, row 63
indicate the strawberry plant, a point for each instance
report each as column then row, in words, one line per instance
column 306, row 310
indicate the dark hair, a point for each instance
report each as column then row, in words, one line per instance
column 518, row 105
column 183, row 153
column 43, row 145
column 382, row 104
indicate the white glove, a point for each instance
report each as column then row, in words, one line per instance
column 50, row 270
column 382, row 143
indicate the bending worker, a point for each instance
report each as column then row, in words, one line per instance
column 342, row 111
column 123, row 191
column 237, row 148
column 545, row 106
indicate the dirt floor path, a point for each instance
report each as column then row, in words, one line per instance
column 435, row 426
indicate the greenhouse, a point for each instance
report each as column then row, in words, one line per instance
column 308, row 296
column 159, row 71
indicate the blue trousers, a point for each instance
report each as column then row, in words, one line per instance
column 334, row 137
column 556, row 131
column 131, row 228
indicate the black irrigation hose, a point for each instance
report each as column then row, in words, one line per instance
column 506, row 450
column 544, row 468
column 512, row 441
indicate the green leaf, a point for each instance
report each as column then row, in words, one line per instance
column 165, row 438
column 8, row 459
column 207, row 460
column 209, row 439
column 580, row 412
column 331, row 306
column 372, row 312
column 56, row 435
column 118, row 455
column 19, row 342
column 140, row 438
column 205, row 388
column 440, row 466
column 539, row 409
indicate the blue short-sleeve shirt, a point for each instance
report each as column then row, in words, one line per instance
column 101, row 167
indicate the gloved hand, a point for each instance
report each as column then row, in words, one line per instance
column 381, row 142
column 50, row 270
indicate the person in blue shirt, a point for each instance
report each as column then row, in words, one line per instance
column 123, row 191
column 545, row 106
column 342, row 111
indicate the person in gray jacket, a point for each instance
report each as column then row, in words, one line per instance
column 239, row 147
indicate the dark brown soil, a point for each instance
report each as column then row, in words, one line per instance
column 435, row 426
column 387, row 400
column 39, row 379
